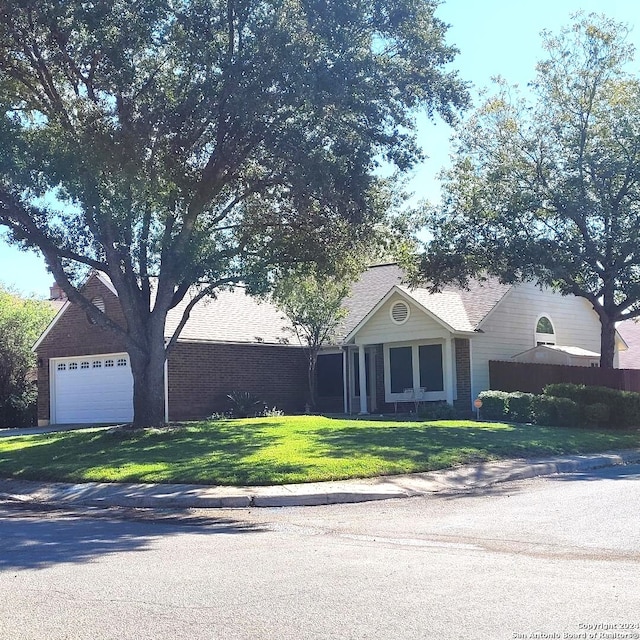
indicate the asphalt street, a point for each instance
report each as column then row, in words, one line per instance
column 554, row 557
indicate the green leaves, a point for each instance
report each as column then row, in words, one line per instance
column 21, row 323
column 547, row 187
column 208, row 140
column 175, row 110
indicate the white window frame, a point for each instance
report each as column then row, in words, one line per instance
column 408, row 396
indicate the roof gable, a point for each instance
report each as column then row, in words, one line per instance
column 396, row 291
column 460, row 310
column 94, row 279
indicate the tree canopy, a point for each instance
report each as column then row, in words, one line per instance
column 21, row 322
column 313, row 305
column 205, row 141
column 546, row 186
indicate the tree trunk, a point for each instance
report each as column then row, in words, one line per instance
column 607, row 342
column 148, row 385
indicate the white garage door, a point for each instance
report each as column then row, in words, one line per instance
column 91, row 389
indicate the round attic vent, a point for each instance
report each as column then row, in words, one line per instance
column 400, row 312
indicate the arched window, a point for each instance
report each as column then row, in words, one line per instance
column 545, row 333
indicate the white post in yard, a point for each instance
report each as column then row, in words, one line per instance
column 362, row 370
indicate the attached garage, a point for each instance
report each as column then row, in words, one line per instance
column 236, row 344
column 91, row 389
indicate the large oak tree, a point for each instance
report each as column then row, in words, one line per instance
column 173, row 143
column 546, row 187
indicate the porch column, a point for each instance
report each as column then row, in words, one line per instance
column 362, row 382
column 449, row 382
column 345, row 379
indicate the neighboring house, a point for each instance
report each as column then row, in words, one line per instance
column 557, row 354
column 399, row 346
column 630, row 332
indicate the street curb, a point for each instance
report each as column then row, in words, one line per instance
column 167, row 496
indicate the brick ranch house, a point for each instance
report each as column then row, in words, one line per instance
column 398, row 346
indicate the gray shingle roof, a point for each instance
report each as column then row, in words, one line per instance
column 373, row 285
column 233, row 316
column 461, row 309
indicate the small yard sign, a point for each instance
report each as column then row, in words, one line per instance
column 477, row 403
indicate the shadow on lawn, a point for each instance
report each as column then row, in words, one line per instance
column 432, row 446
column 31, row 541
column 212, row 455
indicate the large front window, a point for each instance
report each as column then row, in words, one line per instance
column 329, row 375
column 431, row 378
column 401, row 368
column 415, row 371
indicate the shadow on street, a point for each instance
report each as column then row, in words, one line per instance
column 33, row 539
column 620, row 472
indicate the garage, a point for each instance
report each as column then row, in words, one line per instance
column 91, row 389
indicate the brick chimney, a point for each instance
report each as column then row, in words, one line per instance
column 56, row 293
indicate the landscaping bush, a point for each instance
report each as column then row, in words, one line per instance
column 494, row 405
column 19, row 409
column 565, row 405
column 436, row 411
column 500, row 405
column 554, row 411
column 596, row 414
column 629, row 409
column 519, row 406
column 245, row 404
column 623, row 406
column 583, row 394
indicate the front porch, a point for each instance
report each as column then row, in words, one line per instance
column 394, row 377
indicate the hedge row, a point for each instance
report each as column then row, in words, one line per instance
column 565, row 405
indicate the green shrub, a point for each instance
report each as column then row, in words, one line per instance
column 554, row 411
column 583, row 394
column 501, row 405
column 624, row 406
column 19, row 409
column 519, row 406
column 565, row 390
column 596, row 414
column 628, row 410
column 245, row 404
column 494, row 405
column 436, row 411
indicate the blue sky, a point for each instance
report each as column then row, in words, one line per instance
column 495, row 37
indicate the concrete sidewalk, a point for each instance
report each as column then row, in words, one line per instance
column 317, row 493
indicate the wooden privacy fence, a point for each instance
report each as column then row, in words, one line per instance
column 533, row 377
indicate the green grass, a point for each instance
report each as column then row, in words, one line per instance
column 286, row 449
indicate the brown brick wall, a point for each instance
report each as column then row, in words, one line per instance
column 201, row 376
column 74, row 335
column 463, row 374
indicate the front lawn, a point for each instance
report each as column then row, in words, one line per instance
column 286, row 449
